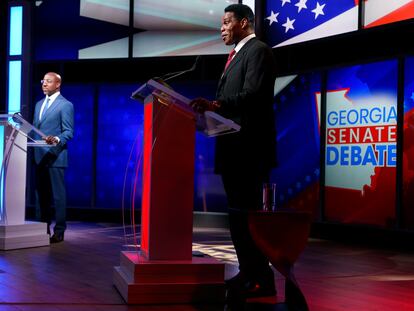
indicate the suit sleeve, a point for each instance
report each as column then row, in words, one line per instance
column 36, row 115
column 67, row 124
column 258, row 68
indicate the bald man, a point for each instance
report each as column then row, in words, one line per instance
column 54, row 116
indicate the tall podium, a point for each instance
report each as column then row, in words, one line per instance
column 164, row 270
column 15, row 232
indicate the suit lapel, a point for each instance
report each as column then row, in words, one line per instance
column 237, row 58
column 51, row 109
column 234, row 61
column 37, row 112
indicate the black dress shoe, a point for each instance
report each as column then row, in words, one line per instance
column 56, row 238
column 262, row 286
column 236, row 280
column 258, row 287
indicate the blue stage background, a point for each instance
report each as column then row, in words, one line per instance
column 108, row 121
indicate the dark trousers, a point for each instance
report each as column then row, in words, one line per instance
column 244, row 193
column 51, row 190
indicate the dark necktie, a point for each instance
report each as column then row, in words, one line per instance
column 229, row 59
column 45, row 108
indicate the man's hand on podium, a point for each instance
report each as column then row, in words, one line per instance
column 51, row 140
column 201, row 105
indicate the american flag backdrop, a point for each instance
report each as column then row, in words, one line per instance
column 380, row 12
column 293, row 21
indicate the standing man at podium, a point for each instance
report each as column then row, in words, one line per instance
column 54, row 116
column 245, row 159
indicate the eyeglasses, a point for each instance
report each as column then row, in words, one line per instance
column 47, row 81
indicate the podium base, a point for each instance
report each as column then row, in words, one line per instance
column 28, row 234
column 142, row 281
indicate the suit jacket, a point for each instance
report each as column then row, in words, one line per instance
column 246, row 94
column 58, row 121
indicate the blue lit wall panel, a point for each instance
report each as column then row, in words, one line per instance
column 298, row 156
column 79, row 173
column 120, row 120
column 16, row 30
column 15, row 86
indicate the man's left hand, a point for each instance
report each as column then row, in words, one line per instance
column 202, row 105
column 51, row 140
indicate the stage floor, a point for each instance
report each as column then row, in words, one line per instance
column 77, row 274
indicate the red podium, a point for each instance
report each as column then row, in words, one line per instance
column 164, row 270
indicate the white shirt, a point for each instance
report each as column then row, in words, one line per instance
column 243, row 42
column 51, row 100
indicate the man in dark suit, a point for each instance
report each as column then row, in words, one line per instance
column 54, row 116
column 244, row 160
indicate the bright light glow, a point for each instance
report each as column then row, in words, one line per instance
column 223, row 252
column 14, row 86
column 250, row 3
column 16, row 30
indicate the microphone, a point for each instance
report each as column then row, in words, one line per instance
column 17, row 118
column 142, row 92
column 173, row 75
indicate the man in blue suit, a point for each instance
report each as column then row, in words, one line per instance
column 54, row 116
